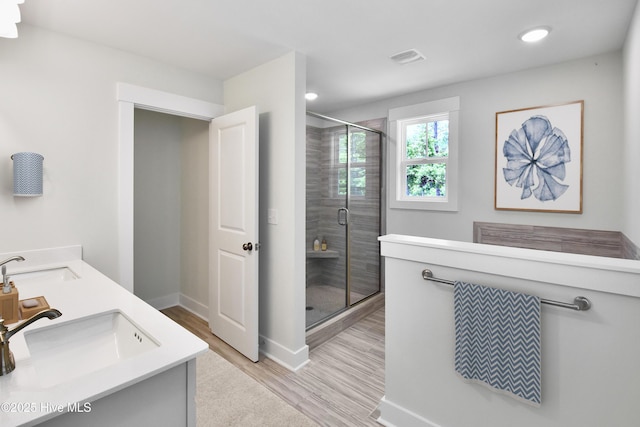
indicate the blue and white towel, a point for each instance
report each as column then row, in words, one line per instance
column 498, row 340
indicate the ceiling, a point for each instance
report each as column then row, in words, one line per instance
column 347, row 43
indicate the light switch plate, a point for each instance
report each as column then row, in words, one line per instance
column 272, row 216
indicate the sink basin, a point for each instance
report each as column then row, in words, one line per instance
column 52, row 275
column 70, row 350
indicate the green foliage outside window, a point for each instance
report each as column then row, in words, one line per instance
column 427, row 140
column 427, row 180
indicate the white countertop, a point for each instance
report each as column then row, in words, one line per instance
column 25, row 402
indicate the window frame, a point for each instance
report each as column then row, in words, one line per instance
column 399, row 118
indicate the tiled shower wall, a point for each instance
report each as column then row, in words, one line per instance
column 314, row 201
column 323, row 203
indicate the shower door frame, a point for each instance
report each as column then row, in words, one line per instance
column 381, row 213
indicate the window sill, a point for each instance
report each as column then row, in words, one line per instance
column 449, row 206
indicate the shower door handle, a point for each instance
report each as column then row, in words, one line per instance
column 343, row 216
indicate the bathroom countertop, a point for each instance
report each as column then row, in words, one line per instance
column 24, row 401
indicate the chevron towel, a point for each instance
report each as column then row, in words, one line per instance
column 498, row 340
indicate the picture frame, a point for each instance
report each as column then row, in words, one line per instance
column 538, row 162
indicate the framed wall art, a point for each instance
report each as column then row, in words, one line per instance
column 539, row 159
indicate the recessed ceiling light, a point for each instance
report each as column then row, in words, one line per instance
column 534, row 35
column 311, row 96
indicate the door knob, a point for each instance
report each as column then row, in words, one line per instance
column 247, row 246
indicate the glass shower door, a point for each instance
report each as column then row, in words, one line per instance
column 363, row 203
column 327, row 265
column 343, row 214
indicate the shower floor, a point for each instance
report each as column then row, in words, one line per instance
column 325, row 300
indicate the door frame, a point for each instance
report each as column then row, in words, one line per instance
column 129, row 98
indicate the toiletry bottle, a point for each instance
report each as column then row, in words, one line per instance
column 316, row 244
column 324, row 244
column 9, row 302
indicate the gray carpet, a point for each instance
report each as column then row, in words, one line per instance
column 226, row 396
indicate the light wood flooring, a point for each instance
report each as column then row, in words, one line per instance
column 341, row 385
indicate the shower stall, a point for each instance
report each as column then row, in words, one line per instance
column 344, row 214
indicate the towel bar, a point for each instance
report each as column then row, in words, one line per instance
column 579, row 303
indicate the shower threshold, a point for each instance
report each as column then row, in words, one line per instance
column 325, row 329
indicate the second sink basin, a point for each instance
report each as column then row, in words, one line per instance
column 70, row 350
column 51, row 275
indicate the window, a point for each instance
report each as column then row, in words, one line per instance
column 424, row 155
column 355, row 156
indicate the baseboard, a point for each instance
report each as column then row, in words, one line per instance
column 292, row 360
column 392, row 415
column 195, row 307
column 166, row 301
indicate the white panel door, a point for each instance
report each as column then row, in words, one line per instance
column 233, row 239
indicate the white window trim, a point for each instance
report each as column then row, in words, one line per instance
column 433, row 108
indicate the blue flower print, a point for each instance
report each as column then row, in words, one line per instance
column 536, row 156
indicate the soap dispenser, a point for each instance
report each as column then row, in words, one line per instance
column 316, row 244
column 9, row 296
column 9, row 301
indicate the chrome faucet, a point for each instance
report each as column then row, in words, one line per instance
column 7, row 362
column 5, row 279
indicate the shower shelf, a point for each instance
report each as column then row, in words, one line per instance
column 322, row 254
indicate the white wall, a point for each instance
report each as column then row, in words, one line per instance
column 631, row 151
column 194, row 272
column 59, row 99
column 596, row 80
column 157, row 200
column 277, row 89
column 589, row 358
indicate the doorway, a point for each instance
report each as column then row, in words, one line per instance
column 171, row 210
column 131, row 97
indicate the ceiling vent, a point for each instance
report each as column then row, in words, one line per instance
column 407, row 56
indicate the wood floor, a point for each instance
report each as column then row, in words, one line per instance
column 340, row 386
